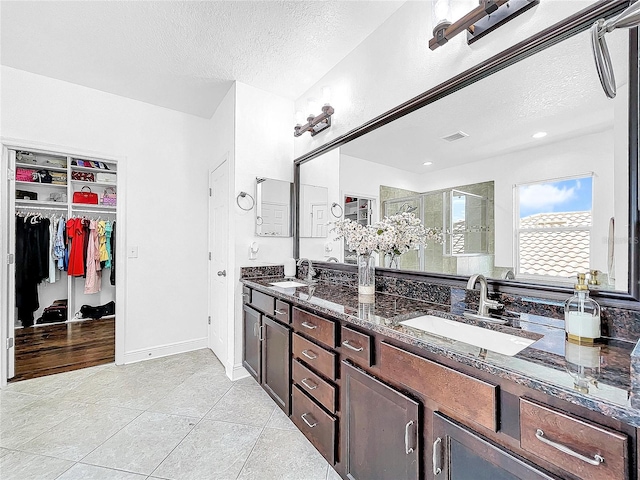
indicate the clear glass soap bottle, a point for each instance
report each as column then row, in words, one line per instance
column 581, row 315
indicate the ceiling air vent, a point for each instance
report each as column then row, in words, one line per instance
column 455, row 136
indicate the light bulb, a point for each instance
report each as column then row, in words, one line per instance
column 440, row 14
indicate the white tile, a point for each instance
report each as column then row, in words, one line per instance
column 30, row 421
column 81, row 433
column 4, row 451
column 90, row 472
column 249, row 406
column 11, row 401
column 247, row 382
column 280, row 420
column 213, row 450
column 25, row 466
column 193, row 398
column 332, row 474
column 143, row 444
column 285, row 455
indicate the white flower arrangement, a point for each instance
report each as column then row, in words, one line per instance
column 396, row 234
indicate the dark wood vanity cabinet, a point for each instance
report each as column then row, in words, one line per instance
column 458, row 453
column 267, row 354
column 380, row 429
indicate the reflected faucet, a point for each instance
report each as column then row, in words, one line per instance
column 310, row 271
column 485, row 302
column 332, row 259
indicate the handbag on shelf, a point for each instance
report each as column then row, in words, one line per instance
column 85, row 197
column 44, row 176
column 25, row 195
column 59, row 178
column 109, row 196
column 25, row 175
column 58, row 197
column 83, row 176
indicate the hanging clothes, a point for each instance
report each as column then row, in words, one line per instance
column 51, row 256
column 102, row 241
column 85, row 230
column 32, row 263
column 93, row 281
column 75, row 234
column 113, row 255
column 107, row 232
column 59, row 246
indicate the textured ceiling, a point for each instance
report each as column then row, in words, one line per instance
column 185, row 55
column 556, row 91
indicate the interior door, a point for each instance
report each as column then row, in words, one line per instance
column 275, row 218
column 319, row 220
column 10, row 294
column 218, row 283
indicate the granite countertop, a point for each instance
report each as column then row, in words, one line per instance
column 541, row 366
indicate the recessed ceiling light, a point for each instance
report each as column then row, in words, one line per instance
column 428, row 163
column 539, row 134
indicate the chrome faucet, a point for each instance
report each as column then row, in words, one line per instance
column 485, row 302
column 332, row 259
column 310, row 271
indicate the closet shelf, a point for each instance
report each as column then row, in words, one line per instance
column 97, row 184
column 33, row 166
column 41, row 203
column 38, row 184
column 75, row 168
column 92, row 207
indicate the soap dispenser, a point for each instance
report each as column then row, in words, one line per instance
column 581, row 315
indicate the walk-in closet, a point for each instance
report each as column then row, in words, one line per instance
column 61, row 276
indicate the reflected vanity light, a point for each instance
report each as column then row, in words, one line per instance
column 315, row 123
column 486, row 17
column 539, row 135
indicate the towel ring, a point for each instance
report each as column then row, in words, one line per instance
column 334, row 205
column 242, row 195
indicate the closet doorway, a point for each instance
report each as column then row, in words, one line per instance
column 61, row 225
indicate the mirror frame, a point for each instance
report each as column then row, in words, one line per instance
column 552, row 35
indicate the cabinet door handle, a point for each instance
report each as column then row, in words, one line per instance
column 245, row 295
column 407, row 428
column 310, row 387
column 595, row 461
column 435, row 459
column 310, row 326
column 279, row 312
column 255, row 329
column 304, row 418
column 309, row 354
column 351, row 347
column 261, row 332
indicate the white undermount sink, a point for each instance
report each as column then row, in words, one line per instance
column 480, row 337
column 288, row 284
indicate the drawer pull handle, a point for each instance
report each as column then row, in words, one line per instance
column 245, row 295
column 595, row 461
column 255, row 329
column 351, row 347
column 279, row 312
column 435, row 459
column 310, row 355
column 407, row 448
column 304, row 418
column 308, row 325
column 310, row 387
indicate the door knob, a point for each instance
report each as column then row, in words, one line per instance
column 222, row 273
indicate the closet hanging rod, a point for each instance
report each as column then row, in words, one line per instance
column 33, row 207
column 98, row 212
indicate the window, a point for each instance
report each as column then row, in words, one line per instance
column 553, row 227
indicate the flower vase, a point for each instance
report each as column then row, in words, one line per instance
column 366, row 275
column 392, row 260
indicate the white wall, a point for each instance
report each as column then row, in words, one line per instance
column 263, row 148
column 167, row 157
column 395, row 64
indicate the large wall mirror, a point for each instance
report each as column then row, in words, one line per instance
column 526, row 172
column 273, row 207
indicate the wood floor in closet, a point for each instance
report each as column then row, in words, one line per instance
column 49, row 349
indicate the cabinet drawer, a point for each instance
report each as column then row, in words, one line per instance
column 321, row 360
column 282, row 312
column 264, row 303
column 356, row 345
column 315, row 327
column 573, row 444
column 318, row 426
column 324, row 392
column 458, row 393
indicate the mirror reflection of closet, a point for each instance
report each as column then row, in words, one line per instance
column 273, row 207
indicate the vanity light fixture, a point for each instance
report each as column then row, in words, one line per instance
column 486, row 17
column 316, row 123
column 539, row 135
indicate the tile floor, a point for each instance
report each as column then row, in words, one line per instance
column 176, row 417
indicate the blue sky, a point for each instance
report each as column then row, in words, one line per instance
column 561, row 196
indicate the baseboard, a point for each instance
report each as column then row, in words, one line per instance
column 165, row 350
column 238, row 372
